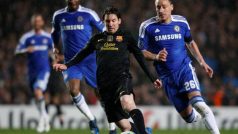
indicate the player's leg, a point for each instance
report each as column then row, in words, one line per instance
column 128, row 104
column 126, row 98
column 39, row 87
column 90, row 77
column 115, row 113
column 192, row 90
column 72, row 76
column 207, row 115
column 59, row 112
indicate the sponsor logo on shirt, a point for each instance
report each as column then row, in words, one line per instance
column 109, row 46
column 168, row 37
column 73, row 27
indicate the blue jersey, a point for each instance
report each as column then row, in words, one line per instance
column 154, row 36
column 38, row 60
column 75, row 29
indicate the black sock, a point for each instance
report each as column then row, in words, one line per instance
column 138, row 119
column 58, row 110
column 134, row 128
column 47, row 108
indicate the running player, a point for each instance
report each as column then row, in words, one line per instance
column 37, row 44
column 163, row 39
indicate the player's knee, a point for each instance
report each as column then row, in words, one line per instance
column 190, row 117
column 199, row 104
column 127, row 103
column 74, row 92
column 125, row 128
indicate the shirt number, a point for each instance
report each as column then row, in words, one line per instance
column 189, row 85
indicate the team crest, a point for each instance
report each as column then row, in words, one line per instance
column 109, row 38
column 45, row 41
column 176, row 28
column 119, row 38
column 80, row 18
column 33, row 41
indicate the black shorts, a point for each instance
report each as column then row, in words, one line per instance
column 110, row 99
column 56, row 85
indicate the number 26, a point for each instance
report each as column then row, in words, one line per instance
column 189, row 85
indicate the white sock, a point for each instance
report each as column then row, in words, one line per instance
column 208, row 117
column 40, row 104
column 197, row 116
column 79, row 101
column 112, row 126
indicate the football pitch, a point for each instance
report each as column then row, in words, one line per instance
column 86, row 131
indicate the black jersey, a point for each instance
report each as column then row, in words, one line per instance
column 112, row 54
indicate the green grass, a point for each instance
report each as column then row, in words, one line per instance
column 86, row 131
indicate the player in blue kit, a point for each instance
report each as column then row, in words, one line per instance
column 37, row 44
column 74, row 24
column 163, row 39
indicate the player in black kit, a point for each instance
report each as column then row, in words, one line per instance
column 113, row 48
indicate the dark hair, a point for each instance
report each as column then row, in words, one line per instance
column 111, row 10
column 171, row 1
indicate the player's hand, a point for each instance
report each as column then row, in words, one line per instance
column 58, row 57
column 158, row 84
column 30, row 49
column 162, row 55
column 59, row 67
column 207, row 69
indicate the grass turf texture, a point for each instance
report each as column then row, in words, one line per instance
column 86, row 131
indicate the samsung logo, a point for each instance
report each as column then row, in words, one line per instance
column 73, row 27
column 168, row 37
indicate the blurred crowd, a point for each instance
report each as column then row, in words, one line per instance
column 213, row 24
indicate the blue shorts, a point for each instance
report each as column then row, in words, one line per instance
column 178, row 84
column 40, row 80
column 80, row 71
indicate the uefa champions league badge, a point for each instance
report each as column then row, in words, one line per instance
column 176, row 28
column 109, row 38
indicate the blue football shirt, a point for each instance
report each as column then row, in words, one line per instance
column 38, row 60
column 155, row 36
column 75, row 29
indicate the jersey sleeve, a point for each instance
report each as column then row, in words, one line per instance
column 95, row 21
column 187, row 36
column 21, row 47
column 133, row 48
column 50, row 44
column 143, row 37
column 55, row 33
column 88, row 49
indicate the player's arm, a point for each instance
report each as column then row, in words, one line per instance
column 77, row 58
column 55, row 34
column 193, row 48
column 22, row 47
column 143, row 43
column 161, row 56
column 132, row 46
column 95, row 20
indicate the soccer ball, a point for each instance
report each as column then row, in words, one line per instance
column 128, row 132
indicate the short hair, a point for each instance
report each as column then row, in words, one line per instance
column 111, row 10
column 171, row 1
